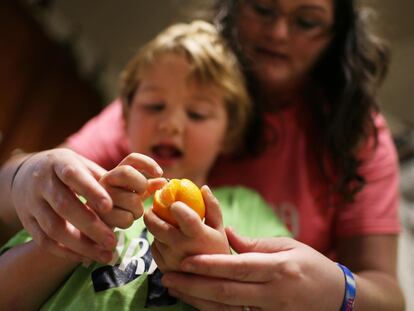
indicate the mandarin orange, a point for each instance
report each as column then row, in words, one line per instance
column 182, row 190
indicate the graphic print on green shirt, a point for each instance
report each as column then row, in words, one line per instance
column 112, row 276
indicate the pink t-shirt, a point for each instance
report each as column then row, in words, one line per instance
column 285, row 175
column 102, row 139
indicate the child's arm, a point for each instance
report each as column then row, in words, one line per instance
column 29, row 275
column 171, row 245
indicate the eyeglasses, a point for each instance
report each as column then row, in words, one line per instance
column 303, row 22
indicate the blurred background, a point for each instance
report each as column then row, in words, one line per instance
column 60, row 61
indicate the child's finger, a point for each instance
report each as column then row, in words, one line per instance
column 67, row 235
column 214, row 218
column 127, row 200
column 188, row 220
column 157, row 255
column 169, row 254
column 118, row 217
column 79, row 180
column 143, row 164
column 51, row 245
column 125, row 177
column 160, row 229
column 66, row 206
column 153, row 185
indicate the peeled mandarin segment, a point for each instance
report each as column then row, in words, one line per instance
column 163, row 198
column 183, row 190
column 161, row 210
column 168, row 192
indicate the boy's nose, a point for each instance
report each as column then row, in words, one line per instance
column 171, row 124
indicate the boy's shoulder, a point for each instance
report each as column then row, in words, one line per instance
column 248, row 213
column 231, row 193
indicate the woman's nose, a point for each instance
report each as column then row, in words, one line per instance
column 278, row 29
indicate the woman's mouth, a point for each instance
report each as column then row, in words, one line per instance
column 271, row 54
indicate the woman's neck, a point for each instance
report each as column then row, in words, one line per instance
column 275, row 100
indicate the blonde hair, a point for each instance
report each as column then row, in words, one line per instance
column 212, row 62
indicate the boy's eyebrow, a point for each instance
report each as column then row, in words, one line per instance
column 150, row 87
column 204, row 99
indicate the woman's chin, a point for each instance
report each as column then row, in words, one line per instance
column 275, row 81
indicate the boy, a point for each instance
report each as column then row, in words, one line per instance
column 184, row 103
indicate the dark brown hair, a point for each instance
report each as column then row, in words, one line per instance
column 346, row 80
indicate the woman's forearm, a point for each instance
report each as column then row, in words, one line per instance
column 373, row 260
column 378, row 291
column 29, row 276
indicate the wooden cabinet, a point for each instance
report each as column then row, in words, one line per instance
column 42, row 97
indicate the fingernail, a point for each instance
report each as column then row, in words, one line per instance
column 207, row 189
column 173, row 293
column 110, row 241
column 159, row 170
column 166, row 281
column 187, row 267
column 105, row 256
column 86, row 262
column 104, row 204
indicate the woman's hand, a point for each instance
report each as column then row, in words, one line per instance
column 43, row 196
column 171, row 245
column 267, row 274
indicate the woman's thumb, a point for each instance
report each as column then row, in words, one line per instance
column 239, row 243
column 242, row 244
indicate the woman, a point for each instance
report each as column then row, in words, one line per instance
column 328, row 168
column 312, row 63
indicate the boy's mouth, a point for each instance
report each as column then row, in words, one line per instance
column 166, row 153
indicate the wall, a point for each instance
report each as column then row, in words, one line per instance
column 394, row 20
column 105, row 34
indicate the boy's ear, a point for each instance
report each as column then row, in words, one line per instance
column 226, row 147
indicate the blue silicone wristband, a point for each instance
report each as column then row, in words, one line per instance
column 350, row 289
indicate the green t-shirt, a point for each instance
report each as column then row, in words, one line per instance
column 132, row 281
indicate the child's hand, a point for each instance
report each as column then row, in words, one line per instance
column 171, row 245
column 128, row 188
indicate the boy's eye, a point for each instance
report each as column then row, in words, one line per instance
column 153, row 107
column 197, row 116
